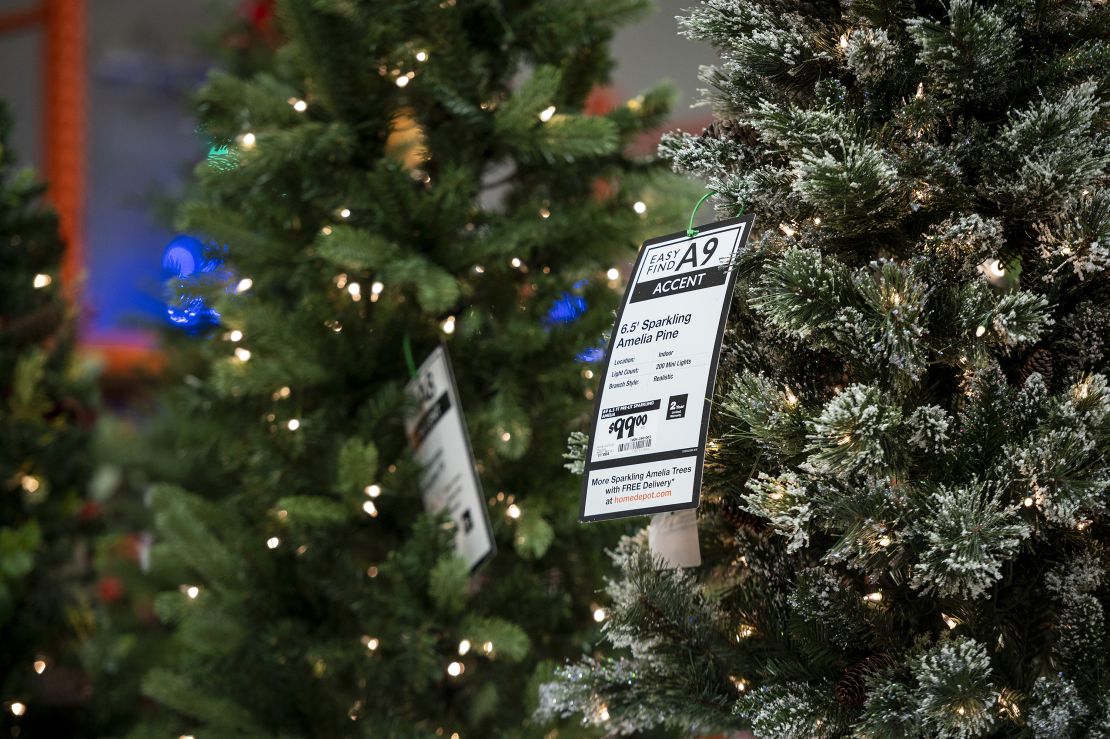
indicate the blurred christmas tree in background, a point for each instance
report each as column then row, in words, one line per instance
column 904, row 521
column 402, row 172
column 47, row 411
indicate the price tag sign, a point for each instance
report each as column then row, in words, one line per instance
column 647, row 440
column 437, row 433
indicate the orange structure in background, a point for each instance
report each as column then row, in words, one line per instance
column 63, row 26
column 64, row 59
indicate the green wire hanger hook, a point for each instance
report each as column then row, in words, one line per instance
column 691, row 232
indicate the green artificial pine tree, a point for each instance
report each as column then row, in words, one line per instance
column 904, row 517
column 46, row 414
column 405, row 173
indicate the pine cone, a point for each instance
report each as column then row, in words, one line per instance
column 741, row 519
column 730, row 129
column 1039, row 360
column 851, row 689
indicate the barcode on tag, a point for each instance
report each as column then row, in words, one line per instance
column 637, row 444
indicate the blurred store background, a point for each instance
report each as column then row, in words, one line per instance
column 100, row 91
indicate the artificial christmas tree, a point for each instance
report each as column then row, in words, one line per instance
column 903, row 521
column 406, row 174
column 47, row 412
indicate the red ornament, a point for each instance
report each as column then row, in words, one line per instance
column 90, row 510
column 600, row 101
column 128, row 547
column 109, row 589
column 260, row 14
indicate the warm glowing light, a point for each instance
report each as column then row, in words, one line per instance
column 487, row 647
column 791, row 398
column 376, row 288
column 995, row 268
column 30, row 483
column 817, row 220
column 421, row 56
column 449, row 325
column 513, row 511
column 515, row 262
column 300, row 106
column 40, row 666
column 1028, row 502
column 895, row 298
column 455, row 669
column 547, row 113
column 41, row 281
column 545, row 213
column 740, row 683
column 370, row 509
column 273, row 542
column 613, row 273
column 193, row 591
column 370, row 643
column 345, row 213
column 846, row 439
column 326, row 230
column 244, row 284
column 949, row 621
column 599, row 614
column 506, row 436
column 283, row 392
column 920, row 90
column 745, row 631
column 403, row 80
column 243, row 355
column 603, row 713
column 640, row 207
column 884, row 541
column 373, row 490
column 18, row 709
column 464, row 647
column 247, row 140
column 479, row 269
column 372, row 571
column 844, row 41
column 235, row 335
column 588, row 374
column 875, row 597
column 786, row 229
column 293, row 424
column 355, row 290
column 980, row 331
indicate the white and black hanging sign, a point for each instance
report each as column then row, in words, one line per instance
column 647, row 441
column 437, row 433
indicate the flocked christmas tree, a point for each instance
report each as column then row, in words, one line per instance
column 903, row 522
column 46, row 415
column 417, row 172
